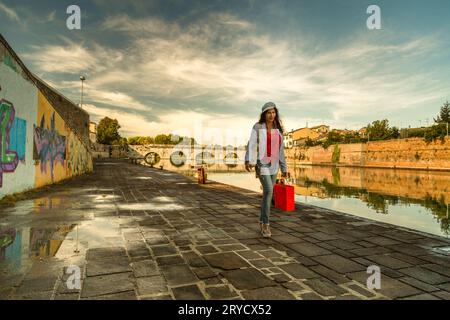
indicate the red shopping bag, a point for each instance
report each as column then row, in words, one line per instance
column 284, row 196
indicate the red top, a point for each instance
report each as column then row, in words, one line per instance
column 269, row 142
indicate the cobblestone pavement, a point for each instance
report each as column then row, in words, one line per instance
column 142, row 233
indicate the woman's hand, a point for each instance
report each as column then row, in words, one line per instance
column 248, row 166
column 284, row 174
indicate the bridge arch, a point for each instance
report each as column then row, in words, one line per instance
column 152, row 158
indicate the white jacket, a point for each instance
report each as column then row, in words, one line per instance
column 256, row 150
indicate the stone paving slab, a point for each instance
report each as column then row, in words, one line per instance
column 145, row 268
column 167, row 237
column 425, row 275
column 221, row 292
column 270, row 293
column 298, row 271
column 226, row 261
column 151, row 285
column 191, row 292
column 247, row 279
column 107, row 284
column 324, row 287
column 108, row 265
column 308, row 249
column 339, row 264
column 178, row 274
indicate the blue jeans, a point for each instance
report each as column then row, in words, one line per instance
column 267, row 182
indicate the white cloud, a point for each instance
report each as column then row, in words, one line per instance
column 9, row 12
column 146, row 25
column 72, row 58
column 132, row 124
column 116, row 98
column 48, row 18
column 207, row 129
column 221, row 61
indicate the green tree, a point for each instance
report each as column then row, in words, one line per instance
column 145, row 140
column 133, row 140
column 436, row 131
column 174, row 139
column 395, row 133
column 120, row 142
column 444, row 115
column 334, row 137
column 162, row 139
column 108, row 131
column 379, row 130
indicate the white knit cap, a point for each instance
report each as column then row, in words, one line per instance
column 268, row 106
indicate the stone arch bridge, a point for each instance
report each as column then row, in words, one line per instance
column 186, row 157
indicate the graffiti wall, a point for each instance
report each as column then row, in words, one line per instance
column 50, row 143
column 18, row 99
column 37, row 145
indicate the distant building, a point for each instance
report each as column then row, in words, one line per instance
column 344, row 132
column 362, row 132
column 288, row 142
column 298, row 137
column 93, row 132
column 322, row 129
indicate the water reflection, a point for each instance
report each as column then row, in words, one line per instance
column 46, row 242
column 7, row 240
column 18, row 245
column 409, row 198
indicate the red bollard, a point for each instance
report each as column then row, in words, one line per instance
column 201, row 176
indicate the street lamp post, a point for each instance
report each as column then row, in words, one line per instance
column 82, row 78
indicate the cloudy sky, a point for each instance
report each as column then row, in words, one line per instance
column 205, row 68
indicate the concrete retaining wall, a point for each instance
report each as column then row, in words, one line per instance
column 43, row 135
column 412, row 153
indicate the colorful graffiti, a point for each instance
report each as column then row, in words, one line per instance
column 8, row 158
column 50, row 146
column 79, row 159
column 18, row 137
column 7, row 237
column 46, row 242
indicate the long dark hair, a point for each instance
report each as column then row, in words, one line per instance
column 277, row 121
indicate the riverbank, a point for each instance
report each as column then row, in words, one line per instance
column 146, row 233
column 412, row 153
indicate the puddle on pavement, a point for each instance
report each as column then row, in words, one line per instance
column 165, row 199
column 40, row 205
column 151, row 206
column 99, row 232
column 103, row 197
column 20, row 248
column 28, row 235
column 50, row 203
column 107, row 207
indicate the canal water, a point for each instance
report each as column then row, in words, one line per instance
column 414, row 199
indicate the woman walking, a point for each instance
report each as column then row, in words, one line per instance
column 265, row 152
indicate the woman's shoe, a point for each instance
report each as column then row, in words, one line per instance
column 261, row 226
column 266, row 231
